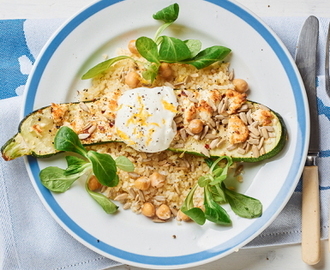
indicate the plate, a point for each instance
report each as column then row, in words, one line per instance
column 258, row 56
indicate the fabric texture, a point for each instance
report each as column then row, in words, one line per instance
column 30, row 238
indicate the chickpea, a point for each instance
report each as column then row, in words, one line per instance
column 163, row 212
column 182, row 216
column 132, row 79
column 157, row 180
column 196, row 126
column 142, row 183
column 132, row 48
column 93, row 183
column 240, row 85
column 165, row 70
column 148, row 209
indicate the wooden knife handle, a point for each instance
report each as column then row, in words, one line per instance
column 310, row 216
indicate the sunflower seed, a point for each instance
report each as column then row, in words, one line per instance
column 214, row 143
column 205, row 152
column 242, row 115
column 193, row 100
column 262, row 151
column 183, row 134
column 121, row 197
column 178, row 146
column 205, row 131
column 160, row 198
column 189, row 132
column 239, row 170
column 253, row 141
column 254, row 130
column 174, row 211
column 255, row 151
column 87, row 126
column 141, row 196
column 232, row 147
column 134, row 175
column 178, row 120
column 269, row 128
column 249, row 117
column 241, row 151
column 132, row 192
column 231, row 75
column 264, row 132
column 210, row 136
column 225, row 121
column 244, row 108
column 212, row 104
column 261, row 143
column 211, row 123
column 219, row 117
column 91, row 129
column 83, row 136
column 158, row 220
column 221, row 104
column 84, row 107
column 127, row 205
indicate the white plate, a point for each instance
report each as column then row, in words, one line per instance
column 258, row 56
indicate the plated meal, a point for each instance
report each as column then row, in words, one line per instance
column 165, row 128
column 162, row 94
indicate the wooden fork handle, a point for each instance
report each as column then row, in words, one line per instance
column 310, row 216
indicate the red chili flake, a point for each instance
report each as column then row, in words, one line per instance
column 207, row 146
column 111, row 123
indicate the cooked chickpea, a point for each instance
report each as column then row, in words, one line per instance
column 196, row 126
column 142, row 183
column 157, row 180
column 182, row 216
column 163, row 212
column 132, row 79
column 132, row 48
column 165, row 70
column 93, row 183
column 240, row 85
column 148, row 209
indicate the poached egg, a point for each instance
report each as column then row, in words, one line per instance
column 144, row 118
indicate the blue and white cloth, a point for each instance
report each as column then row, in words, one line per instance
column 30, row 238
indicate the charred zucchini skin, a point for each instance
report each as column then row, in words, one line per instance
column 23, row 143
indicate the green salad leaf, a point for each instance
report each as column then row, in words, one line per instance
column 108, row 206
column 166, row 49
column 216, row 193
column 102, row 165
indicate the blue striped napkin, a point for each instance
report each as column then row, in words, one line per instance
column 31, row 239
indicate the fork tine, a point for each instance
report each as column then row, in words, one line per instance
column 327, row 74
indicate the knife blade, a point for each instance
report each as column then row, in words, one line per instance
column 306, row 62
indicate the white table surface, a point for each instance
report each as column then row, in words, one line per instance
column 283, row 257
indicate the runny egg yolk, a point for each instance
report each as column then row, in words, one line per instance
column 144, row 118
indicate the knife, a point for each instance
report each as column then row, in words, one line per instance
column 306, row 63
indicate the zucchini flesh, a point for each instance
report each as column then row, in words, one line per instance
column 94, row 122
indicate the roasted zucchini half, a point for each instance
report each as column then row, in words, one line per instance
column 251, row 134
